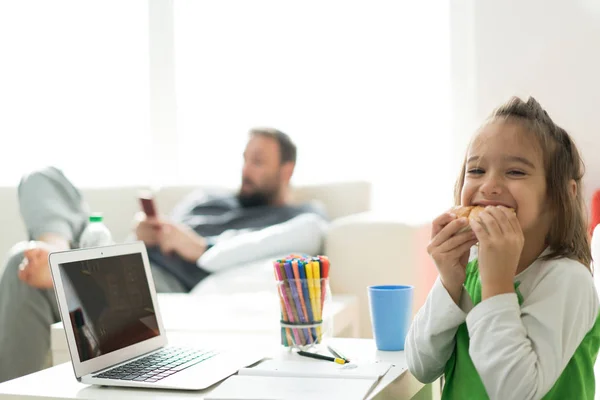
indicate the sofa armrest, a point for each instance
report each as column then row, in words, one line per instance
column 367, row 249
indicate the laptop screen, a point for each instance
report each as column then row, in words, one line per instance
column 109, row 302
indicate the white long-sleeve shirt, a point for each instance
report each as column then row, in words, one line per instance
column 518, row 351
column 301, row 234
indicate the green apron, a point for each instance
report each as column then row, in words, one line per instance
column 577, row 381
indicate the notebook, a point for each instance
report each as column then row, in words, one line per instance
column 107, row 302
column 302, row 379
column 317, row 369
column 245, row 387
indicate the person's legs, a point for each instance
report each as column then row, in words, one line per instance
column 53, row 210
column 26, row 314
column 50, row 203
column 55, row 216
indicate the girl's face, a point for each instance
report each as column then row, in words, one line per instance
column 505, row 167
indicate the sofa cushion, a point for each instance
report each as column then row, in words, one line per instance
column 257, row 276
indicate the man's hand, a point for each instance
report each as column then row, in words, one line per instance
column 182, row 240
column 500, row 245
column 147, row 229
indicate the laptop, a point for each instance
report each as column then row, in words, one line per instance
column 108, row 305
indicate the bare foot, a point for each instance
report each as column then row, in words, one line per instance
column 34, row 270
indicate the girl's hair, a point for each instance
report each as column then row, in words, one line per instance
column 568, row 235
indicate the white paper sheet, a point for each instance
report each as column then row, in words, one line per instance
column 244, row 387
column 318, row 369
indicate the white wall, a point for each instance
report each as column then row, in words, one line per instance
column 549, row 49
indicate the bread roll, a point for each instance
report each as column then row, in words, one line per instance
column 470, row 212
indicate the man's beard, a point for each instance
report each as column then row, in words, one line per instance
column 259, row 196
column 255, row 199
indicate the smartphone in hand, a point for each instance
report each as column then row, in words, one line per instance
column 148, row 205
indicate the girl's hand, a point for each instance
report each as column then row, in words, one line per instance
column 500, row 245
column 450, row 251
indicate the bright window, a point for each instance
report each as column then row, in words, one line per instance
column 362, row 87
column 74, row 89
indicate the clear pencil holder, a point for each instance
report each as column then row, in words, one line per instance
column 305, row 308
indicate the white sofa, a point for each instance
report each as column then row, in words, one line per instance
column 365, row 249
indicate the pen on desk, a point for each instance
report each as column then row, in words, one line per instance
column 337, row 353
column 322, row 357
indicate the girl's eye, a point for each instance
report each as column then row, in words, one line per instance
column 516, row 173
column 475, row 171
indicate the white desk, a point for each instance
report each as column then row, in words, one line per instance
column 244, row 313
column 59, row 382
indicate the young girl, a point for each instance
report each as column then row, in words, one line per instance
column 519, row 321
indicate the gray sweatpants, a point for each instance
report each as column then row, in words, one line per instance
column 49, row 203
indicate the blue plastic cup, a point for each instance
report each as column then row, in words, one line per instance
column 391, row 312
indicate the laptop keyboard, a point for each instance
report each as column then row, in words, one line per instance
column 159, row 365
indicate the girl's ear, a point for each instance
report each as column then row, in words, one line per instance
column 573, row 187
